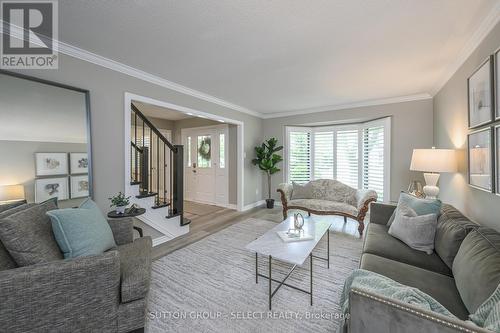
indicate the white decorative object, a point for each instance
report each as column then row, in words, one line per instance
column 51, row 164
column 290, row 236
column 432, row 162
column 79, row 186
column 79, row 163
column 51, row 188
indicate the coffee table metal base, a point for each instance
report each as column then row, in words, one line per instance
column 270, row 278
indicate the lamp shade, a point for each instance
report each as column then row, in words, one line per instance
column 434, row 160
column 11, row 192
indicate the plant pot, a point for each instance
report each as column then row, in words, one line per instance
column 120, row 209
column 270, row 203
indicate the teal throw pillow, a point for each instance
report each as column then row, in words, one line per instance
column 81, row 231
column 419, row 205
column 487, row 314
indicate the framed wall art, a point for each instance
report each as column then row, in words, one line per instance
column 47, row 188
column 480, row 94
column 480, row 161
column 51, row 164
column 79, row 163
column 79, row 186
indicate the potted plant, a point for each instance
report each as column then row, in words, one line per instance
column 267, row 159
column 120, row 202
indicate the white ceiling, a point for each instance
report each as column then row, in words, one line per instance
column 282, row 55
column 160, row 112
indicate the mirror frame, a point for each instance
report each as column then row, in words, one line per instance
column 88, row 118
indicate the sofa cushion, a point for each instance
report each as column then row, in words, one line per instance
column 135, row 268
column 324, row 205
column 441, row 287
column 6, row 261
column 333, row 190
column 451, row 230
column 81, row 231
column 302, row 191
column 10, row 205
column 417, row 232
column 379, row 242
column 476, row 267
column 27, row 235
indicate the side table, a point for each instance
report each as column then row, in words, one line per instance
column 139, row 211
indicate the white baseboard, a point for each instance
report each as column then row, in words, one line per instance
column 253, row 205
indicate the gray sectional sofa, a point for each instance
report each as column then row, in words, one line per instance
column 461, row 274
column 99, row 293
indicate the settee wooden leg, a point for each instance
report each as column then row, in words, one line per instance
column 285, row 213
column 361, row 227
column 308, row 213
column 345, row 219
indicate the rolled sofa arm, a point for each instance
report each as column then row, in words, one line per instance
column 364, row 197
column 285, row 190
column 123, row 230
column 381, row 213
column 80, row 294
column 373, row 313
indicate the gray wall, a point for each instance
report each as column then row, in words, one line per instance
column 450, row 131
column 17, row 165
column 411, row 128
column 107, row 90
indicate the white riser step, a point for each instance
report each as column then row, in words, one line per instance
column 156, row 218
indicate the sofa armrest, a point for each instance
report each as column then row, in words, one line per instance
column 381, row 213
column 285, row 190
column 135, row 267
column 123, row 230
column 80, row 294
column 364, row 197
column 373, row 313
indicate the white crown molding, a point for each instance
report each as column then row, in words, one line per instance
column 487, row 24
column 373, row 102
column 78, row 53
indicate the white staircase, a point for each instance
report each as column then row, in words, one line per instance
column 156, row 218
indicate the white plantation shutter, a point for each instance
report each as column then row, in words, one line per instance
column 347, row 157
column 373, row 159
column 299, row 155
column 323, row 155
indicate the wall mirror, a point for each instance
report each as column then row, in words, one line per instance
column 45, row 143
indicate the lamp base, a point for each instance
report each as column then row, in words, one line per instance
column 430, row 189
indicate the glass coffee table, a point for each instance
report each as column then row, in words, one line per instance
column 295, row 253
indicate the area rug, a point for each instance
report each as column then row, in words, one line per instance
column 209, row 286
column 200, row 209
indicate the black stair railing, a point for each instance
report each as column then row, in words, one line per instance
column 156, row 166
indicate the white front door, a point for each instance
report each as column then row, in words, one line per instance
column 206, row 165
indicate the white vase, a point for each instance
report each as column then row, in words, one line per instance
column 120, row 209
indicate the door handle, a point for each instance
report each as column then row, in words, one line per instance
column 194, row 171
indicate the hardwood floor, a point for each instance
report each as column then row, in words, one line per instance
column 205, row 225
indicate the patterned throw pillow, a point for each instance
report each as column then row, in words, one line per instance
column 302, row 191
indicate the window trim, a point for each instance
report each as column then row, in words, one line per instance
column 385, row 122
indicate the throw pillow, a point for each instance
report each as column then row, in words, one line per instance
column 302, row 191
column 419, row 205
column 27, row 235
column 81, row 231
column 417, row 232
column 487, row 314
column 11, row 205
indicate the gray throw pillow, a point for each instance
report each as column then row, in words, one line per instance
column 302, row 191
column 28, row 237
column 417, row 232
column 11, row 205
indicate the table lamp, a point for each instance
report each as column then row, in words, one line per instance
column 11, row 192
column 433, row 162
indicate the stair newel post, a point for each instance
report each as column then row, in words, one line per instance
column 157, row 170
column 170, row 175
column 135, row 142
column 178, row 178
column 150, row 144
column 144, row 169
column 164, row 174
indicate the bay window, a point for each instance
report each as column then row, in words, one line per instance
column 357, row 155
